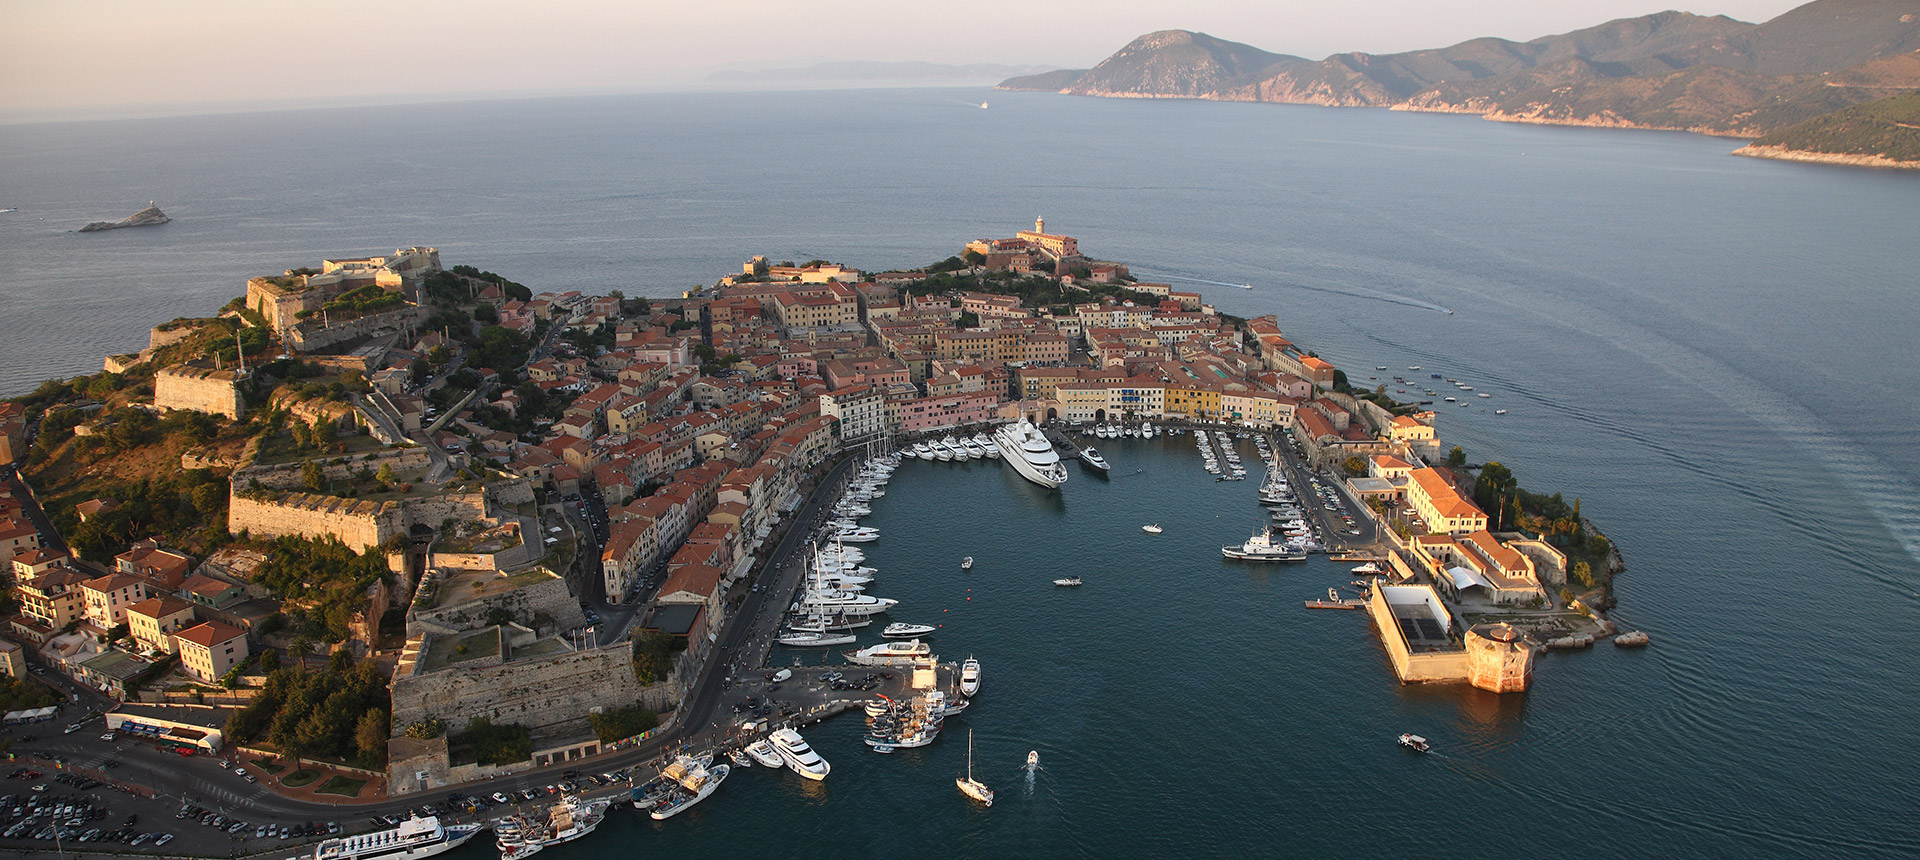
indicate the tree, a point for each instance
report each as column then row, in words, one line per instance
column 1583, row 573
column 975, row 258
column 370, row 735
column 1456, row 457
column 311, row 474
column 385, row 475
column 439, row 356
column 324, row 433
column 1355, row 466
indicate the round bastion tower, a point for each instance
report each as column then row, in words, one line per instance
column 1499, row 658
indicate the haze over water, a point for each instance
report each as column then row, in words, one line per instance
column 1708, row 351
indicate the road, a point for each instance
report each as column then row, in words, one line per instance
column 705, row 723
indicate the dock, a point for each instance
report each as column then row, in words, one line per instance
column 1336, row 604
column 1061, row 444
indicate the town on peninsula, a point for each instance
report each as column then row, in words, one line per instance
column 384, row 534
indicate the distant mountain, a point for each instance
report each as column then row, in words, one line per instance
column 874, row 72
column 1884, row 133
column 1671, row 70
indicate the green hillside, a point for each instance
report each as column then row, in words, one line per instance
column 1888, row 127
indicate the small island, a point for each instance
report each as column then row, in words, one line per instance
column 147, row 217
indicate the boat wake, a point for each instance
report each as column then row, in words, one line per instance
column 1351, row 292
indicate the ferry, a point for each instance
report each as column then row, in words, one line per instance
column 413, row 838
column 889, row 653
column 801, row 758
column 1022, row 445
column 970, row 677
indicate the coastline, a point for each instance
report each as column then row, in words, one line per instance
column 1781, row 153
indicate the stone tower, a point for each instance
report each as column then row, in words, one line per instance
column 1039, row 224
column 1499, row 658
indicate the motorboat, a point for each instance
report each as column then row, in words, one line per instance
column 974, row 449
column 889, row 653
column 1415, row 743
column 1152, row 528
column 814, row 639
column 970, row 677
column 1261, row 548
column 411, row 839
column 960, row 451
column 941, row 451
column 924, row 451
column 740, row 759
column 966, row 563
column 1369, row 567
column 903, row 630
column 968, row 785
column 1067, row 580
column 1146, row 431
column 801, row 758
column 1033, row 758
column 764, row 753
column 1031, row 454
column 1091, row 457
column 1499, row 411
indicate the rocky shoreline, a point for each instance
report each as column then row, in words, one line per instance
column 1784, row 154
column 147, row 217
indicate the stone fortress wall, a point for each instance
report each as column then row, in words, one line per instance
column 195, row 388
column 536, row 692
column 358, row 524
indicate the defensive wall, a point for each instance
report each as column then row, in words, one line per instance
column 360, row 524
column 195, row 388
column 534, row 692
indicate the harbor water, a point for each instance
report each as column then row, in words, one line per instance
column 1709, row 352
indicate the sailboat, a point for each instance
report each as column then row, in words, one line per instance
column 968, row 785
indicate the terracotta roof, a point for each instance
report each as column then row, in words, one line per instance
column 210, row 634
column 159, row 607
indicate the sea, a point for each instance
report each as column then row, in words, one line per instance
column 1715, row 355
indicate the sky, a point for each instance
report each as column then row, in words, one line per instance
column 63, row 55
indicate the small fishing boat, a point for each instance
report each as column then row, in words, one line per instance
column 1152, row 529
column 966, row 563
column 1415, row 743
column 1033, row 758
column 740, row 759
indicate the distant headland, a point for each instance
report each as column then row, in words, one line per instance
column 1670, row 70
column 147, row 217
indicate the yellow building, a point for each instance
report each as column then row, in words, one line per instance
column 1443, row 509
column 1193, row 400
column 152, row 622
column 1477, row 565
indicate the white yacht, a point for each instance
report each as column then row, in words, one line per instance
column 1146, row 431
column 843, row 603
column 970, row 677
column 1261, row 547
column 1152, row 528
column 857, row 534
column 959, row 451
column 413, row 838
column 794, row 751
column 974, row 449
column 1067, row 581
column 986, row 444
column 1031, row 454
column 940, row 451
column 966, row 563
column 903, row 630
column 764, row 753
column 694, row 782
column 823, row 623
column 1092, row 457
column 889, row 653
column 814, row 639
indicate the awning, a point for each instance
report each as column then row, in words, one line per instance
column 1464, row 578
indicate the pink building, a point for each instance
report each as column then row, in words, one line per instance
column 925, row 414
